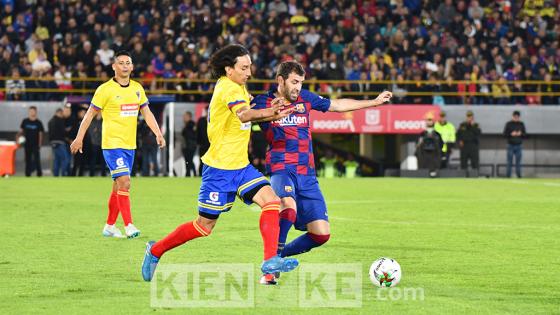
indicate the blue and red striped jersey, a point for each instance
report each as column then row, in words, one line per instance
column 289, row 139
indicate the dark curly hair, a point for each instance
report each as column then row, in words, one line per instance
column 287, row 67
column 226, row 57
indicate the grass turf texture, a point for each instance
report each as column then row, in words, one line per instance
column 473, row 246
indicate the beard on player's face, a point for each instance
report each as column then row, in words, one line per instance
column 290, row 94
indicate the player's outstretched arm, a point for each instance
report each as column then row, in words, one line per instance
column 77, row 144
column 347, row 104
column 152, row 123
column 275, row 112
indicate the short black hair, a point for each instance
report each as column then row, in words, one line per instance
column 287, row 67
column 516, row 113
column 226, row 57
column 33, row 108
column 122, row 53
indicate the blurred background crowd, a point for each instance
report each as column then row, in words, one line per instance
column 407, row 46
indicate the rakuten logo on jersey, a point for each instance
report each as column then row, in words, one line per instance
column 291, row 121
column 409, row 125
column 334, row 125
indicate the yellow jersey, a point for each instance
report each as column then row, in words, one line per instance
column 119, row 106
column 229, row 137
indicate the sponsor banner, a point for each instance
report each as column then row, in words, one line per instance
column 391, row 119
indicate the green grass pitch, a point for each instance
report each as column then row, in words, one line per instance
column 472, row 246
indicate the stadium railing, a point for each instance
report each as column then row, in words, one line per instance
column 338, row 88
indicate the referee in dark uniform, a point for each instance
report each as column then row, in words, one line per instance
column 468, row 136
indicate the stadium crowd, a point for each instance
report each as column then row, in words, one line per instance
column 486, row 43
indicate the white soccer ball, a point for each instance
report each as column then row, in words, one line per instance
column 385, row 272
column 21, row 140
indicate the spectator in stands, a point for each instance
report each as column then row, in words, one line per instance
column 468, row 137
column 15, row 87
column 105, row 54
column 548, row 87
column 501, row 92
column 6, row 62
column 41, row 64
column 58, row 144
column 278, row 6
column 32, row 130
column 189, row 143
column 450, row 36
column 514, row 131
column 63, row 78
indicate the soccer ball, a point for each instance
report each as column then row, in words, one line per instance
column 385, row 272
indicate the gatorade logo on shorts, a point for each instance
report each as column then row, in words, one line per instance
column 214, row 196
column 120, row 162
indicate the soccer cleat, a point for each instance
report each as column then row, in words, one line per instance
column 268, row 279
column 112, row 231
column 150, row 262
column 278, row 264
column 131, row 231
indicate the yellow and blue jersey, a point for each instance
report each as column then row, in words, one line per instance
column 119, row 105
column 229, row 137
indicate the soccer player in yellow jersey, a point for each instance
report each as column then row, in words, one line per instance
column 227, row 172
column 119, row 100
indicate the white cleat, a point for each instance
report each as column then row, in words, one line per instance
column 131, row 231
column 112, row 231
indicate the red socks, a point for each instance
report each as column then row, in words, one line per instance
column 123, row 201
column 288, row 214
column 182, row 234
column 113, row 209
column 319, row 239
column 269, row 225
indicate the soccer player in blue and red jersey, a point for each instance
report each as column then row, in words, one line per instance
column 227, row 172
column 290, row 162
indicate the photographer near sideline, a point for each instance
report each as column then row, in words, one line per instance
column 429, row 148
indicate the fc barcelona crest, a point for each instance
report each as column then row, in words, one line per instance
column 300, row 108
column 138, row 94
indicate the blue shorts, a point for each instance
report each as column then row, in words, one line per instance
column 119, row 161
column 219, row 188
column 305, row 190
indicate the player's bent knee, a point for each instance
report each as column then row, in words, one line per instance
column 320, row 239
column 123, row 183
column 264, row 195
column 288, row 203
column 206, row 223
